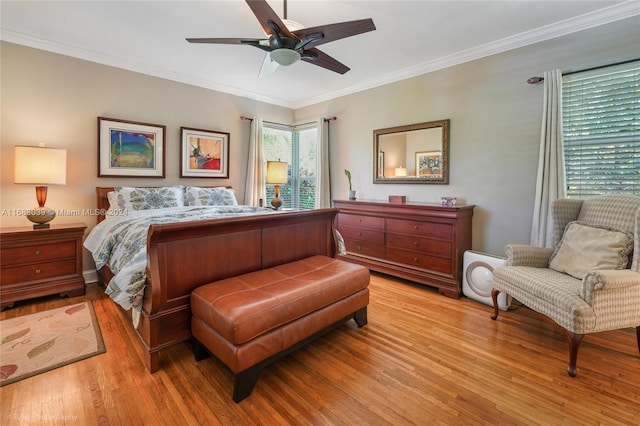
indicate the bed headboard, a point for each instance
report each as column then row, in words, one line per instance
column 103, row 202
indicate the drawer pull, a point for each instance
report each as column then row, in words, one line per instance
column 359, row 234
column 359, row 248
column 416, row 227
column 360, row 220
column 415, row 243
column 38, row 271
column 37, row 252
column 415, row 259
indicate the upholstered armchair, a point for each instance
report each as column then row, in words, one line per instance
column 590, row 281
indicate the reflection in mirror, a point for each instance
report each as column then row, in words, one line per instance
column 417, row 153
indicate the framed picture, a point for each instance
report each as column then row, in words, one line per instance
column 204, row 153
column 429, row 164
column 130, row 148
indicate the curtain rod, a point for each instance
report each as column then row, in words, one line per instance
column 242, row 117
column 536, row 80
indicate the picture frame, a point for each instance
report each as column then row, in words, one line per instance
column 130, row 148
column 429, row 164
column 204, row 153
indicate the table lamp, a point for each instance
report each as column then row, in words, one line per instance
column 40, row 166
column 276, row 174
column 401, row 171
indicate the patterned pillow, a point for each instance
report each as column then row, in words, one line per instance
column 587, row 248
column 219, row 196
column 149, row 198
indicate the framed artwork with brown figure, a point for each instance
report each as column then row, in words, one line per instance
column 204, row 153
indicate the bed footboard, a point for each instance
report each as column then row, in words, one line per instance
column 183, row 256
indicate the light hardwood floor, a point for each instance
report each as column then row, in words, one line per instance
column 422, row 359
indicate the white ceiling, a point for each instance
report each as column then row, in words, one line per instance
column 412, row 38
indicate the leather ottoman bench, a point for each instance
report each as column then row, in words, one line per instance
column 252, row 320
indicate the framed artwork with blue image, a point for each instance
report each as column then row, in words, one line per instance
column 130, row 148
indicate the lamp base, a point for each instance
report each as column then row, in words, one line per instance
column 40, row 216
column 276, row 203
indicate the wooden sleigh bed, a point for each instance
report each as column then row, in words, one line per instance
column 186, row 255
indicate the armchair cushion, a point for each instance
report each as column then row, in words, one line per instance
column 588, row 248
column 549, row 292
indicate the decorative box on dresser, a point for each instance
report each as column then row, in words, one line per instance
column 424, row 243
column 40, row 262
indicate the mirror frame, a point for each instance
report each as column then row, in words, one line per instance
column 444, row 179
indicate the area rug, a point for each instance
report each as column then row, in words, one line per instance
column 35, row 343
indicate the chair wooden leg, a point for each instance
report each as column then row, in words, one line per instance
column 638, row 337
column 494, row 297
column 574, row 345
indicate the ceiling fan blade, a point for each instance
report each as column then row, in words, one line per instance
column 265, row 13
column 226, row 40
column 323, row 60
column 269, row 66
column 333, row 32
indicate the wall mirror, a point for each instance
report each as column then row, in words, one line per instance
column 416, row 153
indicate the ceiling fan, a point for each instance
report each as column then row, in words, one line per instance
column 288, row 41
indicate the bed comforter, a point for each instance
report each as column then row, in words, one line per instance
column 121, row 243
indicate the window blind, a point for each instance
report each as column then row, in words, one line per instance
column 601, row 131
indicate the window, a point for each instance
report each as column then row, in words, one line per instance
column 297, row 145
column 601, row 131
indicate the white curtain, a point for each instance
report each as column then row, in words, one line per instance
column 551, row 181
column 255, row 186
column 323, row 181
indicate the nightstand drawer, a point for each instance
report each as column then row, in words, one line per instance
column 38, row 271
column 38, row 253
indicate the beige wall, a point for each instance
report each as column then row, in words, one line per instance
column 55, row 99
column 495, row 128
column 495, row 125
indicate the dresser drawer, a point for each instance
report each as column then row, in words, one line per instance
column 365, row 249
column 422, row 245
column 441, row 231
column 419, row 260
column 361, row 221
column 38, row 253
column 362, row 234
column 37, row 271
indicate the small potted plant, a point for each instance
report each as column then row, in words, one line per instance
column 352, row 193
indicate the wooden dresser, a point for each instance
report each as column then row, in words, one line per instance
column 40, row 262
column 424, row 243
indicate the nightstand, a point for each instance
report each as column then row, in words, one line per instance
column 40, row 262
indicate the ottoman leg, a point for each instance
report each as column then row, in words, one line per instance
column 360, row 317
column 200, row 351
column 245, row 381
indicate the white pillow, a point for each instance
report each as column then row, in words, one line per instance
column 586, row 248
column 219, row 196
column 132, row 198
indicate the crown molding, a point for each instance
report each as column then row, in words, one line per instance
column 600, row 17
column 597, row 18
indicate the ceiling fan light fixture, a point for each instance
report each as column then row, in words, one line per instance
column 284, row 57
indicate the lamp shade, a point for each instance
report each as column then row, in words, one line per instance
column 38, row 165
column 276, row 172
column 401, row 171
